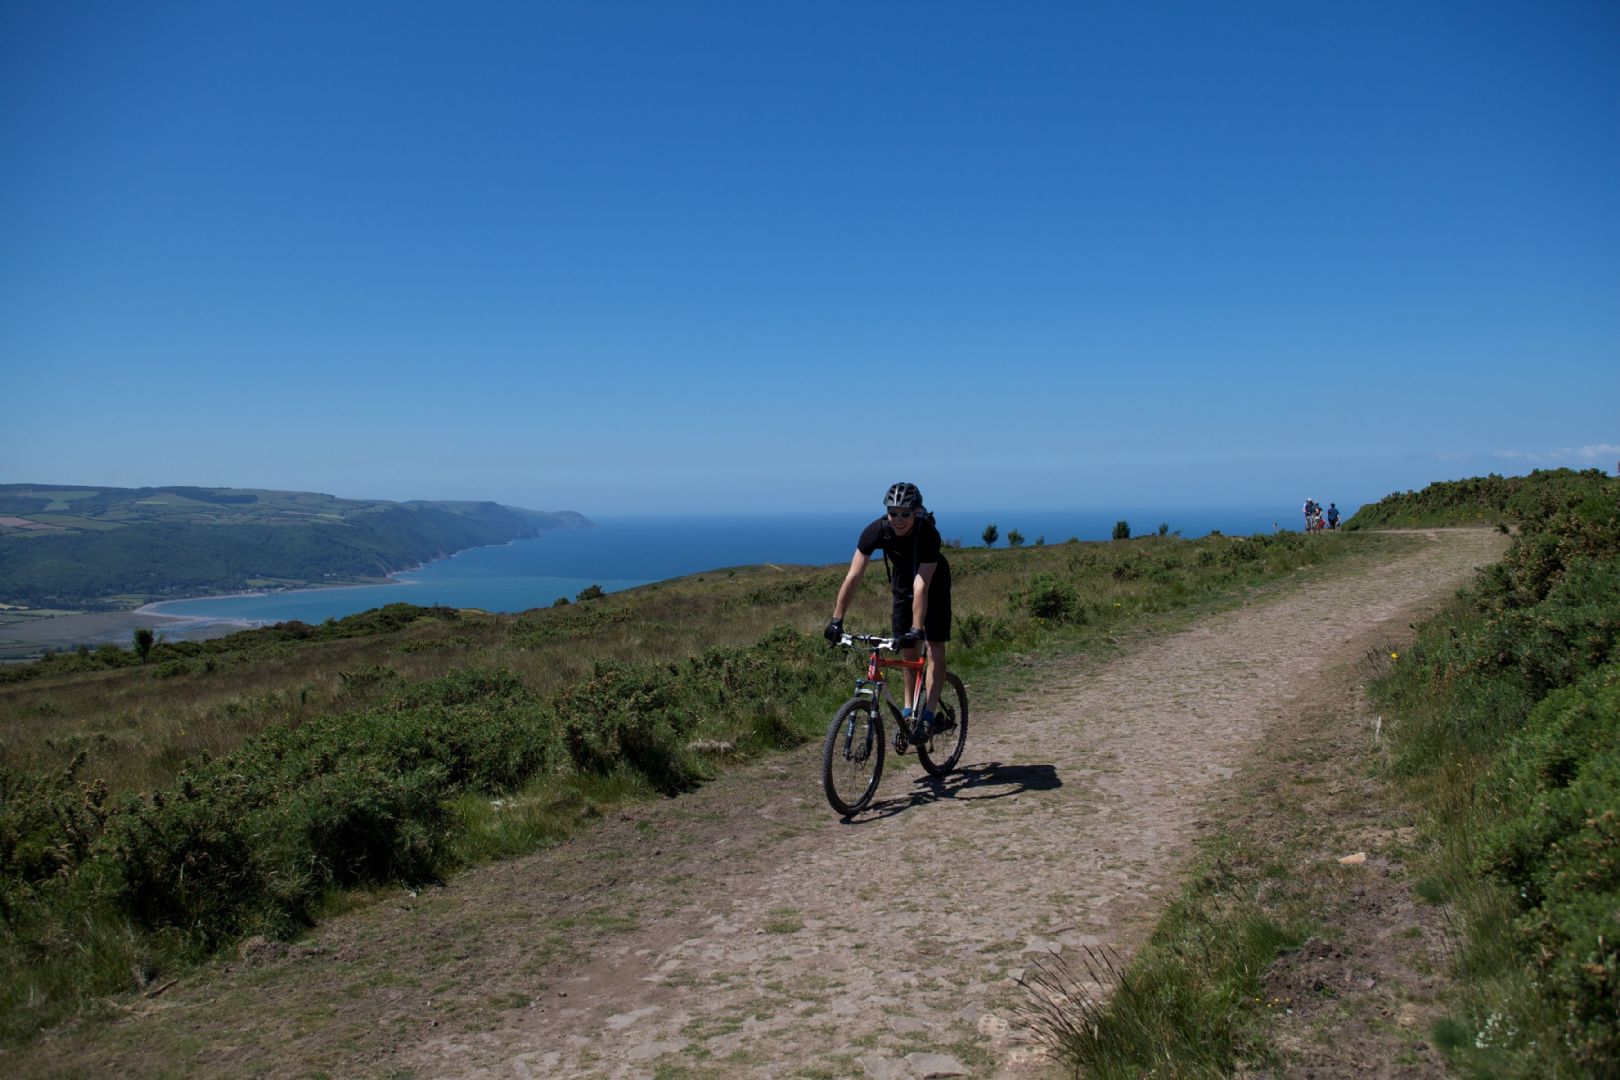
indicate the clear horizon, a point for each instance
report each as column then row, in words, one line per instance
column 722, row 256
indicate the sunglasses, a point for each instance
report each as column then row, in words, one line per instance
column 901, row 513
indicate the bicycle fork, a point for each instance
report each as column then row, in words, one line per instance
column 858, row 744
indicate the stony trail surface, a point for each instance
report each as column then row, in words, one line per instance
column 743, row 930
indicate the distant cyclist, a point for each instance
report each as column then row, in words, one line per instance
column 1333, row 516
column 920, row 580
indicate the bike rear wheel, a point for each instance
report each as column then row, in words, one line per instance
column 852, row 756
column 940, row 752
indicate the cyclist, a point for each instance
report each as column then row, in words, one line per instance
column 1333, row 516
column 920, row 580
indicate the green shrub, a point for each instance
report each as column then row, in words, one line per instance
column 969, row 629
column 1489, row 500
column 48, row 822
column 1122, row 530
column 976, row 630
column 1554, row 794
column 1047, row 596
column 1508, row 704
column 627, row 713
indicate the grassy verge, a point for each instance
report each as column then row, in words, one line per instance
column 152, row 814
column 1189, row 1002
column 1508, row 711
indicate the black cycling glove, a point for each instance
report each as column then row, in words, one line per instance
column 911, row 638
column 834, row 632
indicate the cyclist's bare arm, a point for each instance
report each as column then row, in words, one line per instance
column 919, row 592
column 846, row 591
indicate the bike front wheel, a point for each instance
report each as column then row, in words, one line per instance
column 852, row 756
column 940, row 752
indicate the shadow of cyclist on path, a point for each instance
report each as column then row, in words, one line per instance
column 990, row 780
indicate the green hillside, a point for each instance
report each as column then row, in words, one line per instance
column 1493, row 500
column 105, row 548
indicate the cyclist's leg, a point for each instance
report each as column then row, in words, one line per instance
column 900, row 622
column 936, row 672
column 938, row 627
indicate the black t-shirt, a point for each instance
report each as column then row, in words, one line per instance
column 917, row 548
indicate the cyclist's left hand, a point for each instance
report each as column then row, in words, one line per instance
column 911, row 638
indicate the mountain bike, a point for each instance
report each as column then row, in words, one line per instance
column 852, row 756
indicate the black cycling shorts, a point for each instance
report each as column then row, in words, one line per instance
column 937, row 622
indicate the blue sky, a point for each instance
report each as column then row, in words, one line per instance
column 623, row 257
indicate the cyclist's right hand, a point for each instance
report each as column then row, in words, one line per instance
column 834, row 632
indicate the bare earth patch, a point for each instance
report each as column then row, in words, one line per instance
column 743, row 930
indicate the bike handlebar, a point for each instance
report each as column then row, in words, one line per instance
column 868, row 639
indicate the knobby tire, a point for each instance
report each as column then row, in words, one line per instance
column 940, row 753
column 850, row 766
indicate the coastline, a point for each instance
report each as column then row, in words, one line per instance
column 151, row 608
column 24, row 636
column 28, row 638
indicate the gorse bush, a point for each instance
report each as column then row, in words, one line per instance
column 1509, row 704
column 1555, row 795
column 48, row 822
column 1488, row 500
column 1050, row 597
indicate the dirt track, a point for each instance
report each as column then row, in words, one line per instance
column 744, row 931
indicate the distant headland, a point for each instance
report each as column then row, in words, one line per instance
column 68, row 550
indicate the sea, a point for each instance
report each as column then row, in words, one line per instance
column 623, row 552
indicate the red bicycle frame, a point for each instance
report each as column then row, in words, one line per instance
column 914, row 684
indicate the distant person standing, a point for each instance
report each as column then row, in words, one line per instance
column 1333, row 516
column 920, row 582
column 1310, row 512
